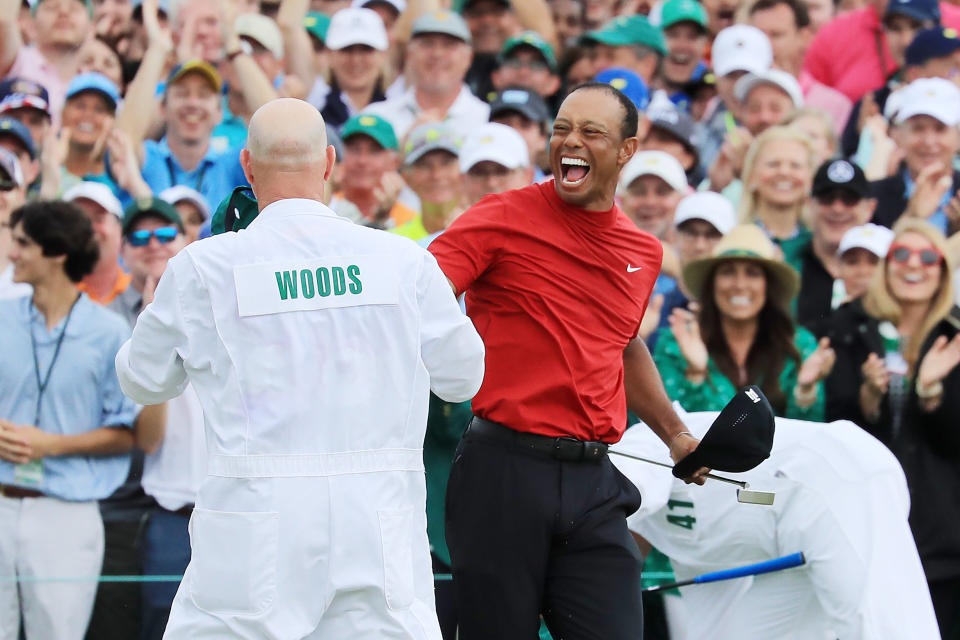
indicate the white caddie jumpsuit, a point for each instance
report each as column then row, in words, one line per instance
column 312, row 344
column 841, row 499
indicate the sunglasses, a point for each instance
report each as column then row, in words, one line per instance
column 901, row 254
column 848, row 198
column 163, row 235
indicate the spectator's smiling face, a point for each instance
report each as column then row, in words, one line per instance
column 913, row 281
column 89, row 116
column 695, row 239
column 438, row 61
column 62, row 23
column 836, row 211
column 488, row 177
column 781, row 174
column 857, row 268
column 686, row 43
column 490, row 24
column 526, row 67
column 365, row 162
column 29, row 263
column 764, row 107
column 435, row 177
column 925, row 141
column 35, row 120
column 650, row 203
column 739, row 289
column 192, row 108
column 95, row 55
column 151, row 259
column 356, row 67
column 107, row 230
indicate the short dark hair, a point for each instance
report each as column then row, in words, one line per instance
column 631, row 117
column 801, row 17
column 61, row 229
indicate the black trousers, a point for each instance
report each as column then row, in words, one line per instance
column 531, row 535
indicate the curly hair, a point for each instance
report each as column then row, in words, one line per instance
column 61, row 229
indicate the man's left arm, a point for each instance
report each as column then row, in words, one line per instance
column 22, row 443
column 647, row 398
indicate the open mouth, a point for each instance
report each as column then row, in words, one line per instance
column 740, row 301
column 913, row 278
column 574, row 170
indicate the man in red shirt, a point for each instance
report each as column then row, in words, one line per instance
column 556, row 279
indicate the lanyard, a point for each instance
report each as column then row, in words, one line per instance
column 42, row 383
column 173, row 174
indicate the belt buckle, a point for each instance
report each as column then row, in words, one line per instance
column 568, row 449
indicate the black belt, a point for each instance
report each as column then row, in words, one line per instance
column 13, row 491
column 561, row 448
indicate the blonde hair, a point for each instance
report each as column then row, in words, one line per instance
column 823, row 118
column 879, row 302
column 749, row 200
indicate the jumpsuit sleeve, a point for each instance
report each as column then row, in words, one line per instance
column 450, row 347
column 806, row 344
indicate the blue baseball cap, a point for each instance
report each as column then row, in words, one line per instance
column 11, row 127
column 930, row 44
column 97, row 83
column 628, row 83
column 17, row 93
column 920, row 10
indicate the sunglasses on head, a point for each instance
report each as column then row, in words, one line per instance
column 848, row 198
column 901, row 253
column 142, row 237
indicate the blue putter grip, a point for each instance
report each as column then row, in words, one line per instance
column 777, row 564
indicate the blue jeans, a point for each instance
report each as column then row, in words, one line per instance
column 166, row 551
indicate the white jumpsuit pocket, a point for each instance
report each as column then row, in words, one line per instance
column 396, row 539
column 233, row 566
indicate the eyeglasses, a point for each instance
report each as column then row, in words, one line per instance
column 848, row 198
column 901, row 254
column 532, row 65
column 141, row 238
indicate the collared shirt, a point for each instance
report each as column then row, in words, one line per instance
column 466, row 112
column 9, row 288
column 128, row 304
column 939, row 217
column 32, row 65
column 816, row 94
column 120, row 285
column 215, row 177
column 82, row 393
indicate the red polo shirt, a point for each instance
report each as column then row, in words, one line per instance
column 556, row 292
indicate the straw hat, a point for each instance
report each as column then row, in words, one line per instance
column 745, row 242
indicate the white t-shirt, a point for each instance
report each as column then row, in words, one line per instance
column 172, row 475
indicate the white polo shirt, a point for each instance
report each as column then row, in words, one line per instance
column 466, row 112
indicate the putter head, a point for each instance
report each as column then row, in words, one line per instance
column 751, row 496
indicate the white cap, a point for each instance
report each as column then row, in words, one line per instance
column 97, row 192
column 708, row 206
column 894, row 101
column 741, row 48
column 934, row 97
column 773, row 77
column 352, row 26
column 494, row 142
column 180, row 193
column 262, row 29
column 654, row 163
column 399, row 5
column 872, row 237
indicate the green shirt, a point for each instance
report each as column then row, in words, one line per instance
column 446, row 422
column 413, row 229
column 717, row 389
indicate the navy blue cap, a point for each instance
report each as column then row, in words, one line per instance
column 629, row 83
column 930, row 44
column 11, row 127
column 16, row 93
column 921, row 10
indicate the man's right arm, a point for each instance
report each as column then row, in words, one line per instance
column 10, row 41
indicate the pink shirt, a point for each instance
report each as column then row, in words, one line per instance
column 816, row 94
column 31, row 64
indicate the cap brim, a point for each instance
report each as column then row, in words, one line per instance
column 785, row 287
column 413, row 156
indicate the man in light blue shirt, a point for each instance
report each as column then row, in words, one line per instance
column 64, row 424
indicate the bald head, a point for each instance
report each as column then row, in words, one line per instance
column 287, row 155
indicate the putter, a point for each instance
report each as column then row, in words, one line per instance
column 745, row 494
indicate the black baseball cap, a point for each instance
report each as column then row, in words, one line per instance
column 738, row 440
column 840, row 174
column 523, row 101
column 676, row 123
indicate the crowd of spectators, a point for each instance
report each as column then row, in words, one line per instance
column 798, row 161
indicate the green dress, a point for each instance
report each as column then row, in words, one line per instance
column 717, row 389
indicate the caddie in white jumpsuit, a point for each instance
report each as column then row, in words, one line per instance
column 312, row 344
column 841, row 499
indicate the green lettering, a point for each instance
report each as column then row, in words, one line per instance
column 287, row 284
column 353, row 272
column 323, row 282
column 339, row 281
column 306, row 283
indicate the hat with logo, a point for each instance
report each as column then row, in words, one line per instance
column 444, row 22
column 773, row 78
column 93, row 82
column 840, row 174
column 628, row 83
column 532, row 40
column 183, row 193
column 370, row 125
column 872, row 237
column 934, row 97
column 741, row 48
column 95, row 192
column 676, row 11
column 13, row 128
column 708, row 206
column 930, row 44
column 195, row 66
column 353, row 26
column 654, row 163
column 235, row 212
column 398, row 5
column 677, row 124
column 492, row 142
column 919, row 10
column 430, row 137
column 11, row 176
column 86, row 3
column 150, row 207
column 745, row 242
column 627, row 31
column 262, row 30
column 317, row 24
column 521, row 100
column 17, row 93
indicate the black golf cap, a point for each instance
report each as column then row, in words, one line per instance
column 738, row 440
column 843, row 175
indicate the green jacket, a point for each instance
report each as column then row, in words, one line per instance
column 717, row 389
